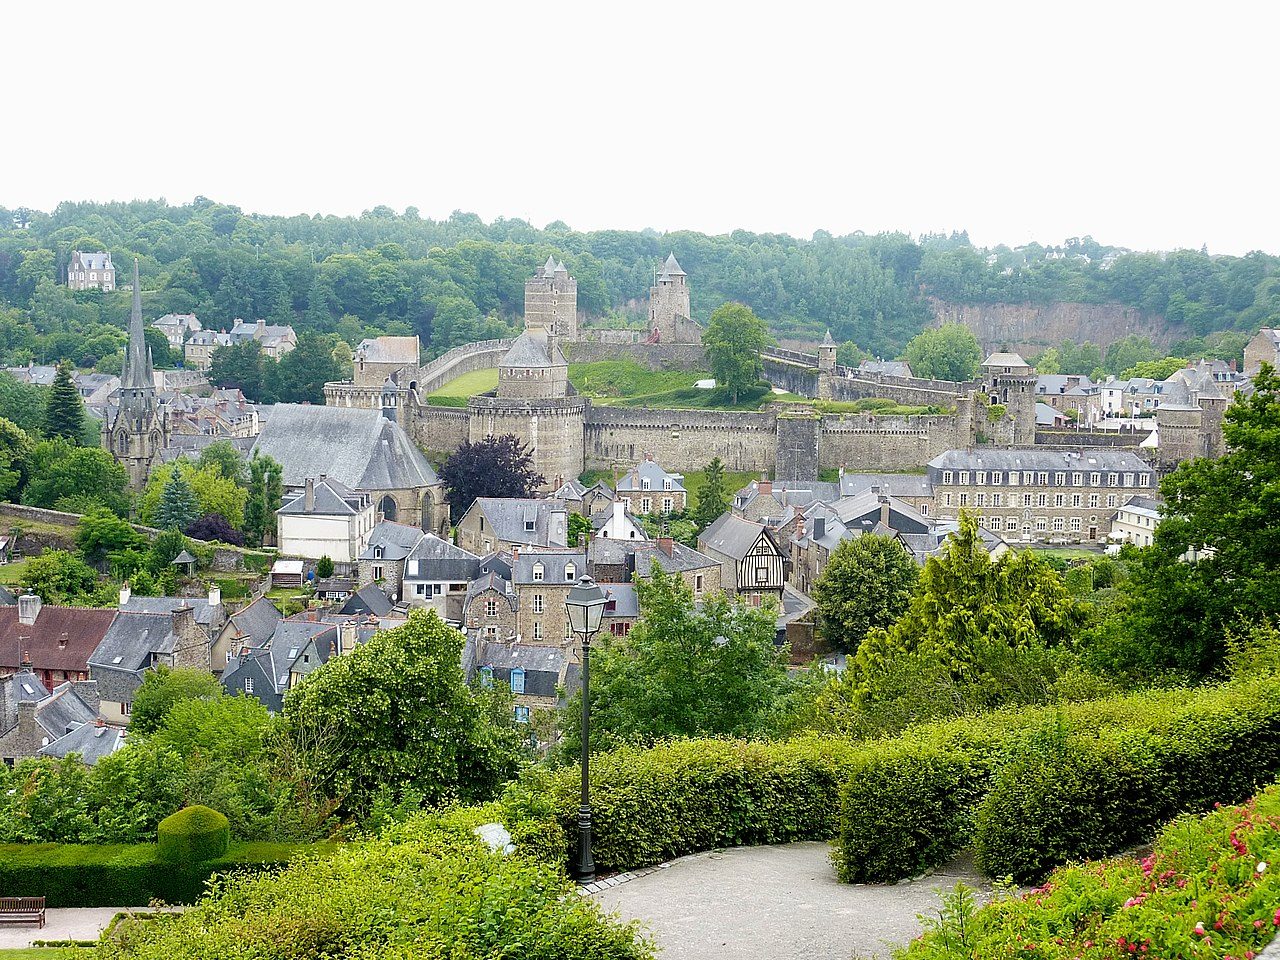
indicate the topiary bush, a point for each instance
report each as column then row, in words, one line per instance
column 193, row 835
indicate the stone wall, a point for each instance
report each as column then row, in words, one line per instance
column 1030, row 327
column 1126, row 440
column 791, row 374
column 653, row 356
column 869, row 443
column 911, row 391
column 439, row 430
column 553, row 429
column 680, row 439
column 799, row 441
column 483, row 355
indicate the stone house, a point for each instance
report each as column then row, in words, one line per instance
column 328, row 519
column 1136, row 521
column 91, row 741
column 57, row 642
column 626, row 561
column 753, row 563
column 437, row 575
column 534, row 673
column 197, row 351
column 296, row 648
column 542, row 580
column 1039, row 494
column 379, row 358
column 583, row 500
column 91, row 271
column 1263, row 348
column 276, row 341
column 491, row 605
column 383, row 558
column 369, row 600
column 251, row 626
column 505, row 524
column 648, row 488
column 1064, row 392
column 616, row 523
column 32, row 717
column 176, row 327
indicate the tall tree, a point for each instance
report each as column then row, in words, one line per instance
column 948, row 352
column 867, row 583
column 177, row 508
column 733, row 340
column 266, row 490
column 76, row 478
column 241, row 366
column 162, row 689
column 395, row 718
column 229, row 461
column 301, row 374
column 713, row 498
column 15, row 458
column 64, row 415
column 492, row 467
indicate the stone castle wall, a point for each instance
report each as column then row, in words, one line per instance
column 680, row 439
column 652, row 356
column 439, row 430
column 870, row 443
column 553, row 429
column 483, row 355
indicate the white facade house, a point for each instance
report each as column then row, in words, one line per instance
column 1136, row 522
column 437, row 575
column 618, row 525
column 328, row 519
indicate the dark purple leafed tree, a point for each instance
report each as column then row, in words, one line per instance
column 214, row 526
column 493, row 467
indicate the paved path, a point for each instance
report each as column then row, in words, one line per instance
column 65, row 923
column 781, row 902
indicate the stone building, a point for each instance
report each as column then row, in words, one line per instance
column 542, row 580
column 490, row 608
column 669, row 313
column 139, row 431
column 197, row 351
column 753, row 564
column 33, row 718
column 551, row 302
column 1036, row 494
column 378, row 358
column 54, row 642
column 93, row 271
column 1263, row 348
column 1011, row 382
column 501, row 523
column 177, row 327
column 647, row 488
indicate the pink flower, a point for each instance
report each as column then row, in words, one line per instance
column 1199, row 930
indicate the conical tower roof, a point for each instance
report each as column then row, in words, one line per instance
column 549, row 267
column 827, row 341
column 137, row 361
column 671, row 268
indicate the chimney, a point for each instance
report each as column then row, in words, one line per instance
column 558, row 527
column 29, row 731
column 666, row 545
column 28, row 608
column 819, row 527
column 1232, row 365
column 309, row 497
column 619, row 512
column 884, row 510
column 215, row 595
column 842, row 471
column 191, row 647
column 125, row 593
column 348, row 633
column 87, row 690
column 800, row 527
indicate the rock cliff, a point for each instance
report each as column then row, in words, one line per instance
column 1030, row 327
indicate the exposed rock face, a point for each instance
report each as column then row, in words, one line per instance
column 1030, row 327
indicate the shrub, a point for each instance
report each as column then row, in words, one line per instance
column 193, row 835
column 651, row 805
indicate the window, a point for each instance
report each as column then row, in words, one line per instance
column 1059, row 479
column 1041, row 523
column 486, row 676
column 490, row 608
column 1059, row 524
column 248, row 686
column 1011, row 523
column 644, row 484
column 1111, row 500
column 1095, row 479
column 1077, row 479
column 762, row 574
column 1028, row 478
column 1128, row 479
column 1076, row 500
column 646, row 505
column 522, row 714
column 946, row 499
column 377, row 553
column 529, row 526
column 1093, row 500
column 666, row 504
column 666, row 483
column 537, row 572
column 997, row 478
column 697, row 584
column 537, row 603
column 964, row 499
column 1144, row 479
column 1059, row 499
column 946, row 476
column 377, row 572
column 1075, row 524
column 1026, row 499
column 981, row 499
column 924, row 509
column 1013, row 478
column 517, row 680
column 537, row 629
column 964, row 478
column 1113, row 479
column 997, row 499
column 420, row 589
column 1042, row 499
column 570, row 572
column 228, row 656
column 981, row 478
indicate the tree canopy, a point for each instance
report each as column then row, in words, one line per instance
column 866, row 584
column 948, row 352
column 733, row 339
column 492, row 467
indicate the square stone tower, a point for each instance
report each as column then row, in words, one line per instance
column 551, row 302
column 669, row 304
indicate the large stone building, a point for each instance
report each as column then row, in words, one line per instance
column 139, row 431
column 669, row 313
column 1263, row 348
column 551, row 302
column 92, row 271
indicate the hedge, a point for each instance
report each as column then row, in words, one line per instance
column 193, row 835
column 651, row 805
column 1091, row 792
column 126, row 875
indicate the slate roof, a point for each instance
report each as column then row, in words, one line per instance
column 1047, row 415
column 404, row 350
column 93, row 261
column 542, row 665
column 90, row 741
column 892, row 368
column 1086, row 458
column 894, row 484
column 797, row 493
column 643, row 555
column 492, row 580
column 332, row 499
column 359, row 448
column 1005, row 360
column 1148, row 505
column 63, row 711
column 1059, row 384
column 649, row 470
column 440, row 560
column 553, row 566
column 533, row 349
column 24, row 685
column 205, row 614
column 368, row 598
column 571, row 491
column 625, row 600
column 131, row 639
column 508, row 518
column 863, row 512
column 671, row 267
column 731, row 536
column 256, row 622
column 397, row 540
column 62, row 638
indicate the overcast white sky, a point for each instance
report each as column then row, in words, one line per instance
column 1145, row 125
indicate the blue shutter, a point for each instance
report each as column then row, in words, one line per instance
column 517, row 680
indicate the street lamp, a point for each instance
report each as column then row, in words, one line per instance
column 585, row 606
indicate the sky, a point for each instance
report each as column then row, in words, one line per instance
column 1145, row 125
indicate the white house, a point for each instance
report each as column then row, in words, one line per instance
column 1136, row 522
column 437, row 575
column 617, row 524
column 328, row 519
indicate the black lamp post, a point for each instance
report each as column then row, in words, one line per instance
column 585, row 606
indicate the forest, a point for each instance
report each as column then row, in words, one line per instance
column 461, row 279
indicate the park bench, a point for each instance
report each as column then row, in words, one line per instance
column 22, row 910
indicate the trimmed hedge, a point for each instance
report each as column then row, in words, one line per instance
column 651, row 805
column 126, row 875
column 193, row 835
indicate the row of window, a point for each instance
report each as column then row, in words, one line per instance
column 1027, row 478
column 646, row 483
column 570, row 573
column 1028, row 500
column 517, row 678
column 646, row 504
column 1041, row 524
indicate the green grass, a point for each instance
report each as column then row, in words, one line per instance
column 44, row 953
column 11, row 573
column 467, row 385
column 1067, row 553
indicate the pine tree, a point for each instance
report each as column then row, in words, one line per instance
column 178, row 508
column 64, row 413
column 713, row 499
column 266, row 489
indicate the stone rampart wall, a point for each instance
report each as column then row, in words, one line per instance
column 680, row 439
column 653, row 356
column 439, row 430
column 868, row 442
column 465, row 359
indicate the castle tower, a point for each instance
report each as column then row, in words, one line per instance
column 1011, row 381
column 669, row 306
column 140, row 429
column 827, row 354
column 551, row 302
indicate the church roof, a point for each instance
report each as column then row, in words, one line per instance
column 359, row 448
column 671, row 268
column 137, row 361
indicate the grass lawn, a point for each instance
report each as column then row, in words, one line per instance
column 45, row 953
column 469, row 385
column 1068, row 553
column 11, row 573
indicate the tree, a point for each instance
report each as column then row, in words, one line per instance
column 64, row 415
column 214, row 526
column 324, row 567
column 1154, row 369
column 685, row 670
column 57, row 576
column 580, row 529
column 733, row 340
column 15, row 456
column 866, row 584
column 849, row 354
column 301, row 374
column 101, row 533
column 395, row 719
column 239, row 365
column 177, row 508
column 227, row 459
column 164, row 687
column 948, row 352
column 213, row 492
column 164, row 550
column 1224, row 510
column 63, row 474
column 492, row 467
column 266, row 490
column 713, row 498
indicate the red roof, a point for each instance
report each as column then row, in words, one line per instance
column 62, row 638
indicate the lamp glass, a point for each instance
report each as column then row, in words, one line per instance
column 585, row 606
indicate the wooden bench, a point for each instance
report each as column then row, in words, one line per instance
column 22, row 910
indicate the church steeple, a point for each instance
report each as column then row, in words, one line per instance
column 137, row 362
column 139, row 431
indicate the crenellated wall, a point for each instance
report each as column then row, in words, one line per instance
column 869, row 442
column 439, row 430
column 683, row 439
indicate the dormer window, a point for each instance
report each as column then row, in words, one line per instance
column 644, row 484
column 517, row 680
column 486, row 677
column 570, row 572
column 528, row 526
column 537, row 572
column 377, row 553
column 666, row 483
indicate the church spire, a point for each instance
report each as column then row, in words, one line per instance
column 137, row 362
